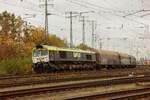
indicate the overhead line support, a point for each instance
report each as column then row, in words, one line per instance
column 83, row 29
column 71, row 15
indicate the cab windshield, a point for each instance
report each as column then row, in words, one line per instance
column 44, row 52
column 38, row 53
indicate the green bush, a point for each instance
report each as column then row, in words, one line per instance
column 15, row 66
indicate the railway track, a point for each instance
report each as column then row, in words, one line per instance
column 6, row 85
column 14, row 81
column 65, row 86
column 3, row 77
column 54, row 78
column 132, row 94
column 104, row 73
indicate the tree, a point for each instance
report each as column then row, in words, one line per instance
column 85, row 47
column 37, row 35
column 56, row 41
column 11, row 25
column 21, row 38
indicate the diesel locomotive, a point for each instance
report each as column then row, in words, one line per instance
column 49, row 58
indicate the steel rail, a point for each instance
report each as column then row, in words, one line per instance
column 132, row 94
column 2, row 77
column 109, row 80
column 72, row 86
column 29, row 75
column 56, row 78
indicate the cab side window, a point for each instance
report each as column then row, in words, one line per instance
column 76, row 55
column 63, row 54
column 89, row 57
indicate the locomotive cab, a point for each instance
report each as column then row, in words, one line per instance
column 40, row 56
column 40, row 59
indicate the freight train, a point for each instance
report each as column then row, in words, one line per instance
column 49, row 58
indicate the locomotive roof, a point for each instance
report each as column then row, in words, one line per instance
column 52, row 48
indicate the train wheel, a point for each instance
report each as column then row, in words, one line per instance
column 46, row 68
column 35, row 69
column 38, row 69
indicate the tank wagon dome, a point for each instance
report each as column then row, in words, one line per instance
column 53, row 48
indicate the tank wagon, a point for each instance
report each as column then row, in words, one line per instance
column 48, row 58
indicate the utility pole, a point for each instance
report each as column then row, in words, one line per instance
column 100, row 43
column 71, row 15
column 71, row 37
column 93, row 37
column 46, row 4
column 46, row 20
column 83, row 24
column 93, row 31
column 83, row 29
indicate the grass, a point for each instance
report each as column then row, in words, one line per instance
column 15, row 66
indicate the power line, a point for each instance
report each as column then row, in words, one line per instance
column 82, row 5
column 96, row 7
column 32, row 4
column 20, row 6
column 77, row 3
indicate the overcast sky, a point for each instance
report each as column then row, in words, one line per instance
column 117, row 32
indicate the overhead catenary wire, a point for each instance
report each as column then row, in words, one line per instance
column 20, row 6
column 121, row 17
column 132, row 20
column 96, row 7
column 100, row 8
column 35, row 6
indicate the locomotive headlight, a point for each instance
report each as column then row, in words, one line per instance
column 35, row 60
column 45, row 59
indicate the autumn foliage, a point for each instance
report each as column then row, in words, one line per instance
column 17, row 40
